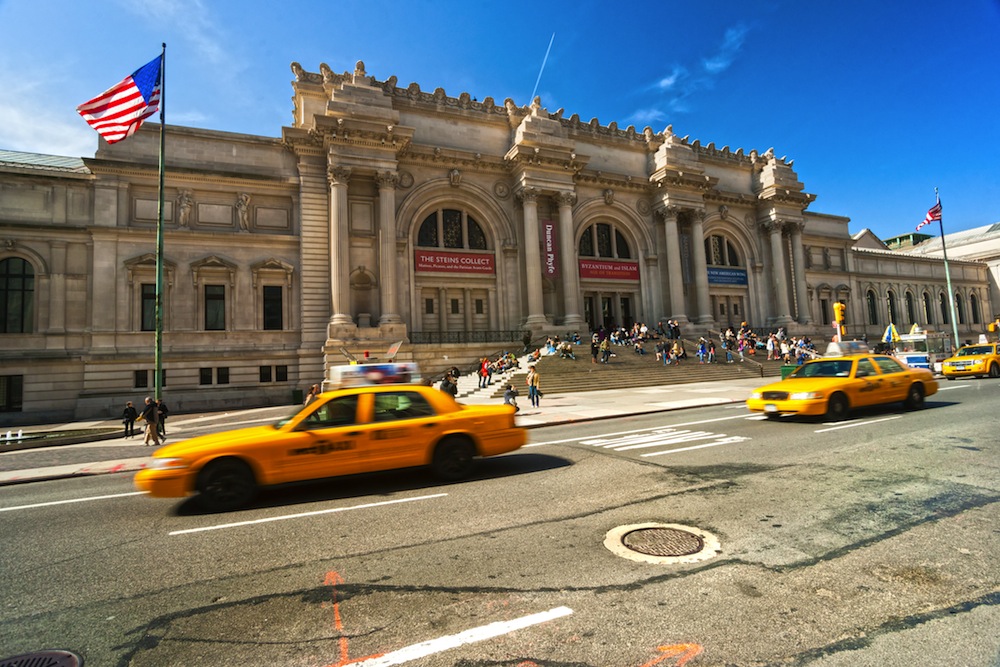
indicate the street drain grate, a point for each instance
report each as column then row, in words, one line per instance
column 43, row 659
column 662, row 543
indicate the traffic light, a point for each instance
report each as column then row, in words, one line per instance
column 839, row 314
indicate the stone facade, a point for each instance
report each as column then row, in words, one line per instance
column 385, row 214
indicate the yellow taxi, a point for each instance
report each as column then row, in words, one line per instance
column 848, row 376
column 346, row 431
column 979, row 360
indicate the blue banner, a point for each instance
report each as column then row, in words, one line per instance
column 724, row 276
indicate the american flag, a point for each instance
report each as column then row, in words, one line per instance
column 933, row 214
column 119, row 111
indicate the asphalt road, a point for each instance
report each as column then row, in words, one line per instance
column 868, row 542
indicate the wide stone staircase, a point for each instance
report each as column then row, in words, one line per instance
column 624, row 369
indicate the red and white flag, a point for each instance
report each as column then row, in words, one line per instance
column 933, row 214
column 119, row 111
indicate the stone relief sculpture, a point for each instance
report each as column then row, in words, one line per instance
column 185, row 202
column 243, row 208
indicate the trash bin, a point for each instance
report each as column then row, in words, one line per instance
column 297, row 397
column 786, row 370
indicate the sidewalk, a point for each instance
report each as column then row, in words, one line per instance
column 117, row 454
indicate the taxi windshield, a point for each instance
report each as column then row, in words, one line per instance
column 974, row 350
column 826, row 368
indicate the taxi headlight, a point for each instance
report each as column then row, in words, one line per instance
column 168, row 464
column 755, row 395
column 804, row 395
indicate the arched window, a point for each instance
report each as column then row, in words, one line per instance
column 928, row 311
column 872, row 307
column 943, row 302
column 17, row 296
column 960, row 308
column 911, row 311
column 719, row 251
column 451, row 228
column 893, row 315
column 974, row 307
column 604, row 239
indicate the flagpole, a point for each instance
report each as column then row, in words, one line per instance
column 158, row 355
column 947, row 273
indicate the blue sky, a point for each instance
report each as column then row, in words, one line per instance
column 877, row 102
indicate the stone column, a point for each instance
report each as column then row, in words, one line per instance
column 57, row 289
column 467, row 294
column 387, row 182
column 778, row 275
column 533, row 259
column 700, row 267
column 340, row 263
column 675, row 275
column 799, row 259
column 443, row 314
column 570, row 267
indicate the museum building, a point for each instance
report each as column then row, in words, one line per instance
column 386, row 214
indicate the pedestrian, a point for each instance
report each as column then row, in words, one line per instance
column 312, row 394
column 595, row 347
column 534, row 383
column 605, row 350
column 484, row 372
column 711, row 351
column 526, row 339
column 129, row 415
column 161, row 417
column 448, row 385
column 510, row 397
column 150, row 416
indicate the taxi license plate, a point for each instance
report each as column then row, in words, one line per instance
column 770, row 407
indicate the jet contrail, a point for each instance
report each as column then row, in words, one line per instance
column 544, row 60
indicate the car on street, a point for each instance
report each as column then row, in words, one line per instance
column 351, row 430
column 980, row 360
column 848, row 376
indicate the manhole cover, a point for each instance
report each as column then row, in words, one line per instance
column 663, row 542
column 43, row 659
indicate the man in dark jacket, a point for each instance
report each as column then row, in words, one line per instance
column 150, row 414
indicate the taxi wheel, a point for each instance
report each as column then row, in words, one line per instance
column 949, row 378
column 225, row 484
column 837, row 407
column 915, row 397
column 454, row 459
column 994, row 371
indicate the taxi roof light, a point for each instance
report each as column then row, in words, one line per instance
column 355, row 375
column 844, row 348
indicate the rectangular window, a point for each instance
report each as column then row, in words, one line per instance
column 140, row 379
column 480, row 307
column 215, row 307
column 429, row 306
column 454, row 307
column 148, row 308
column 265, row 373
column 222, row 375
column 204, row 376
column 273, row 318
column 281, row 373
column 11, row 393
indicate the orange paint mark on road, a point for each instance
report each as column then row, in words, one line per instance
column 332, row 579
column 684, row 652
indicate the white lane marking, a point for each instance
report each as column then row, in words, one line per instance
column 956, row 386
column 305, row 514
column 858, row 422
column 673, row 439
column 74, row 500
column 733, row 439
column 432, row 646
column 638, row 430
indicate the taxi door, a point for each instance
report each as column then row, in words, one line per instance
column 400, row 426
column 869, row 384
column 324, row 444
column 897, row 379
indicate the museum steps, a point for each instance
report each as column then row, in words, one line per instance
column 627, row 369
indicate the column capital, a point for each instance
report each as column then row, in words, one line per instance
column 772, row 226
column 386, row 179
column 566, row 198
column 338, row 175
column 668, row 212
column 528, row 194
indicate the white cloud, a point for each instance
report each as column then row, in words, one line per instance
column 730, row 48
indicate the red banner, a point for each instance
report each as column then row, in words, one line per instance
column 452, row 262
column 603, row 270
column 550, row 248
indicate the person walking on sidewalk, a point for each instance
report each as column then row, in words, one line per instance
column 129, row 415
column 150, row 415
column 534, row 383
column 161, row 417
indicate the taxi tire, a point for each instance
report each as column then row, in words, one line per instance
column 837, row 407
column 225, row 484
column 994, row 371
column 914, row 397
column 454, row 459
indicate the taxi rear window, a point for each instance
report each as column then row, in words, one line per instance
column 888, row 365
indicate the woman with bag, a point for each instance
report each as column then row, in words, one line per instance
column 534, row 382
